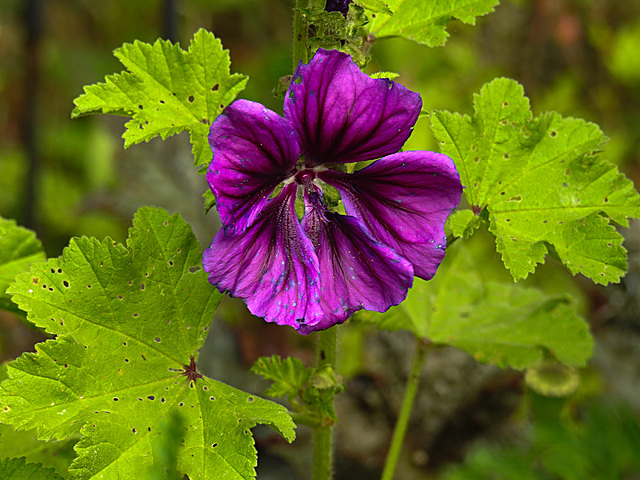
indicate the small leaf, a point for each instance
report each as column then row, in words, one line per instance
column 552, row 379
column 463, row 223
column 541, row 183
column 19, row 248
column 387, row 75
column 167, row 90
column 375, row 6
column 128, row 322
column 426, row 23
column 289, row 376
column 502, row 324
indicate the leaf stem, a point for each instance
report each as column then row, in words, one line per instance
column 300, row 33
column 400, row 429
column 323, row 434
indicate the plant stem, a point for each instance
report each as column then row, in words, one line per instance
column 323, row 434
column 300, row 34
column 405, row 410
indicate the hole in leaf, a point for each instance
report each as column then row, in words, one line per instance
column 250, row 399
column 115, row 399
column 194, row 269
column 505, row 104
column 151, row 397
column 89, row 286
column 606, row 200
column 140, row 107
column 119, row 297
column 191, row 98
column 53, row 270
column 162, row 102
column 553, row 134
column 162, row 400
column 143, row 357
column 134, row 430
column 214, row 445
column 506, row 156
column 181, row 404
column 65, row 283
column 126, row 360
column 215, row 87
column 212, row 398
column 157, row 340
column 142, row 286
column 170, row 263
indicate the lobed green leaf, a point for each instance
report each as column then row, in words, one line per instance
column 167, row 90
column 426, row 22
column 544, row 188
column 128, row 322
column 502, row 324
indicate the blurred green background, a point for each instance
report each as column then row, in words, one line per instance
column 67, row 178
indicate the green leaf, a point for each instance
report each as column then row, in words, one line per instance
column 541, row 182
column 309, row 390
column 19, row 248
column 19, row 469
column 289, row 376
column 426, row 22
column 502, row 324
column 167, row 90
column 129, row 321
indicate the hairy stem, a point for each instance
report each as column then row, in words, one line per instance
column 400, row 429
column 300, row 34
column 323, row 434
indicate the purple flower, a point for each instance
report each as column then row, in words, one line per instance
column 315, row 273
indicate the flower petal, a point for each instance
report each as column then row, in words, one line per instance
column 404, row 200
column 342, row 115
column 271, row 265
column 254, row 149
column 356, row 271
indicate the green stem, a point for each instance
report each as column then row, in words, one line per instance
column 300, row 34
column 323, row 434
column 405, row 411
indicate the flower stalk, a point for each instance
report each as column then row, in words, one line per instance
column 402, row 423
column 323, row 434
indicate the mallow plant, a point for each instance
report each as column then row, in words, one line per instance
column 325, row 220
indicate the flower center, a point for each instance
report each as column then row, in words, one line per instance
column 305, row 177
